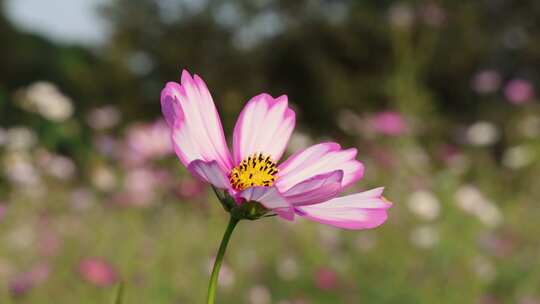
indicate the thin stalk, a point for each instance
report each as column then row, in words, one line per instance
column 212, row 285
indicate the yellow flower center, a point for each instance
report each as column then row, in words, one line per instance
column 256, row 170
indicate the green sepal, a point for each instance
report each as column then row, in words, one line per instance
column 251, row 210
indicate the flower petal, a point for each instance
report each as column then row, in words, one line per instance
column 319, row 159
column 170, row 107
column 315, row 190
column 196, row 128
column 264, row 126
column 363, row 210
column 271, row 199
column 209, row 172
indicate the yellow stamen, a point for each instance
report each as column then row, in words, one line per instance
column 256, row 170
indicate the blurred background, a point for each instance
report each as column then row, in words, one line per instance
column 439, row 97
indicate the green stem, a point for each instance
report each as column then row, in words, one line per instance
column 219, row 260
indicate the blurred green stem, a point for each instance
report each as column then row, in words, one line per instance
column 219, row 260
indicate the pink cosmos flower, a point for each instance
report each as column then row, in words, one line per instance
column 147, row 141
column 519, row 91
column 190, row 188
column 306, row 184
column 388, row 123
column 326, row 279
column 98, row 272
column 25, row 281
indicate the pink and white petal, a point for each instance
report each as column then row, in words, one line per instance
column 264, row 126
column 363, row 210
column 197, row 132
column 270, row 198
column 319, row 159
column 209, row 172
column 169, row 106
column 315, row 190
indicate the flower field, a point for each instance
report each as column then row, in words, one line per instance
column 440, row 101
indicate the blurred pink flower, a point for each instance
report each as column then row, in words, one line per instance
column 519, row 91
column 486, row 81
column 326, row 279
column 190, row 188
column 20, row 285
column 23, row 282
column 388, row 123
column 142, row 185
column 306, row 185
column 98, row 272
column 147, row 141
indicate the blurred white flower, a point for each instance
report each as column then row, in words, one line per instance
column 259, row 294
column 401, row 15
column 287, row 268
column 517, row 157
column 484, row 268
column 424, row 204
column 482, row 133
column 425, row 237
column 21, row 237
column 20, row 170
column 472, row 201
column 103, row 118
column 58, row 166
column 44, row 98
column 20, row 138
column 103, row 178
column 486, row 81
